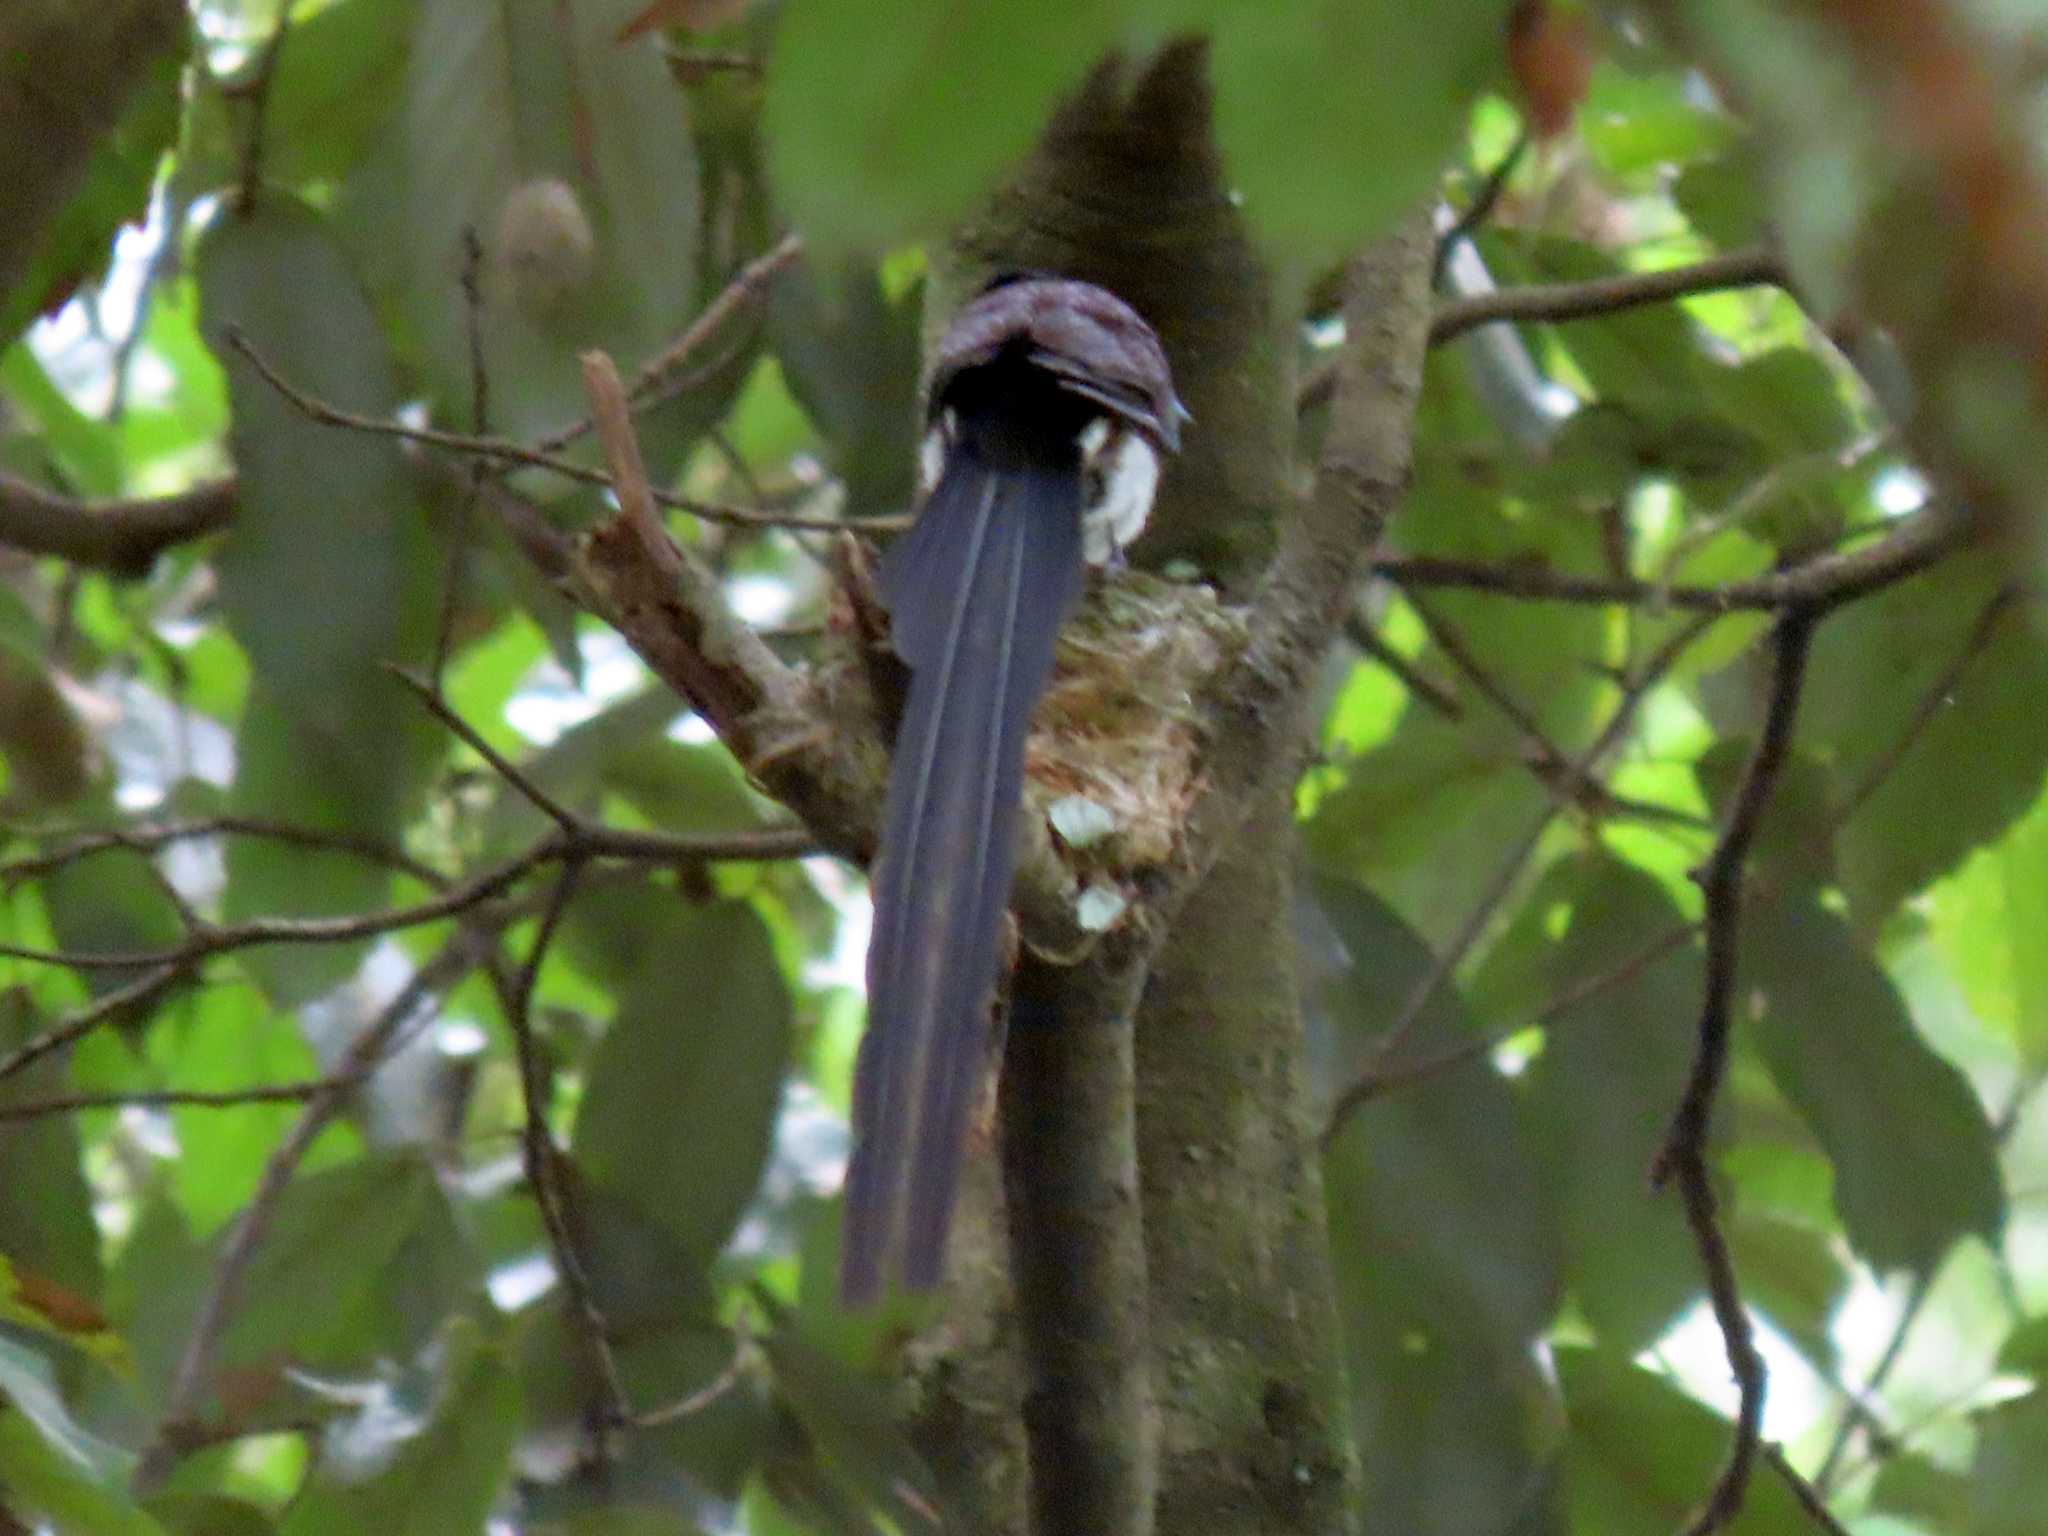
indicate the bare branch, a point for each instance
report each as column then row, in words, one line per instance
column 169, row 1098
column 122, row 537
column 746, row 287
column 1683, row 1155
column 143, row 989
column 1756, row 266
column 505, row 451
column 150, row 837
column 1915, row 544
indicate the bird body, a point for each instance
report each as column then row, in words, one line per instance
column 1051, row 403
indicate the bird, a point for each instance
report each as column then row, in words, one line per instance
column 1051, row 409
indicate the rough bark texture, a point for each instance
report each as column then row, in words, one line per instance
column 1246, row 1397
column 67, row 68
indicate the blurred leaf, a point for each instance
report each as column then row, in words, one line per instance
column 1916, row 1164
column 1722, row 198
column 46, row 1222
column 1988, row 919
column 1976, row 765
column 110, row 904
column 681, row 1096
column 78, row 243
column 44, row 1479
column 850, row 356
column 337, row 78
column 208, row 1514
column 2008, row 1482
column 570, row 157
column 1287, row 96
column 430, row 1478
column 45, row 756
column 28, row 1383
column 861, row 1459
column 225, row 1038
column 361, row 1259
column 83, row 455
column 941, row 105
column 1597, row 1098
column 1639, row 125
column 1641, row 1457
column 1445, row 1254
column 329, row 574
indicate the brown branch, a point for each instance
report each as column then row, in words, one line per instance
column 505, row 451
column 1808, row 1495
column 1752, row 267
column 169, row 1098
column 1418, row 683
column 746, row 287
column 256, row 90
column 1913, row 545
column 1683, row 1158
column 150, row 837
column 223, row 1294
column 76, row 1025
column 539, row 1153
column 122, row 537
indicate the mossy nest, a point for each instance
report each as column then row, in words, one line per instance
column 1114, row 760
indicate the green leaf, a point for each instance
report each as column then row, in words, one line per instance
column 441, row 1479
column 1722, row 198
column 44, row 1482
column 1641, row 1457
column 1639, row 125
column 681, row 1096
column 328, row 574
column 46, row 1222
column 361, row 1259
column 942, row 104
column 208, row 1514
column 226, row 1038
column 1445, row 1251
column 1916, row 1163
column 28, row 1383
column 1287, row 96
column 1597, row 1098
column 1977, row 763
column 337, row 78
column 77, row 245
column 1987, row 922
column 2009, row 1478
column 570, row 155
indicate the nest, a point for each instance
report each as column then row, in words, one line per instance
column 1113, row 762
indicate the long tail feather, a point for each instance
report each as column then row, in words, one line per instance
column 976, row 592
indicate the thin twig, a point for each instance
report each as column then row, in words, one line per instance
column 503, row 450
column 83, row 1021
column 169, row 1098
column 258, row 92
column 537, row 1148
column 1682, row 1157
column 1860, row 1410
column 1934, row 700
column 1808, row 1494
column 1468, row 222
column 1563, row 790
column 570, row 823
column 1756, row 266
column 480, row 424
column 238, row 1253
column 151, row 837
column 1418, row 683
column 746, row 286
column 1913, row 545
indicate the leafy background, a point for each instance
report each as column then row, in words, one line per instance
column 1527, row 1338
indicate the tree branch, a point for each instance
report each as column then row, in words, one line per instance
column 1752, row 267
column 1683, row 1156
column 1077, row 1251
column 122, row 537
column 1912, row 546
